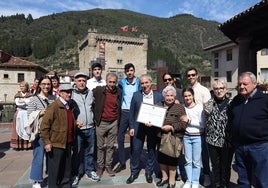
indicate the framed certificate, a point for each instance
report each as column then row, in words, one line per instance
column 153, row 114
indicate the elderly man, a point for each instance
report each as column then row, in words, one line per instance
column 107, row 109
column 139, row 130
column 57, row 133
column 249, row 127
column 85, row 138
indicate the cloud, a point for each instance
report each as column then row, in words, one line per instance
column 219, row 10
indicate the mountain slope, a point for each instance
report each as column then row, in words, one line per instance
column 52, row 40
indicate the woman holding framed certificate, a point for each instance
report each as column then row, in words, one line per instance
column 173, row 125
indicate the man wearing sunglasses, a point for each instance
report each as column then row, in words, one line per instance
column 201, row 96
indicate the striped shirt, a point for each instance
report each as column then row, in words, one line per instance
column 36, row 104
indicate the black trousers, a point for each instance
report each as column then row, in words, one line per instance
column 59, row 167
column 221, row 160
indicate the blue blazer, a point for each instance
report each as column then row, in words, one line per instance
column 135, row 107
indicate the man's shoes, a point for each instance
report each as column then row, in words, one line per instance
column 162, row 182
column 149, row 178
column 119, row 168
column 110, row 171
column 36, row 185
column 93, row 176
column 131, row 179
column 75, row 182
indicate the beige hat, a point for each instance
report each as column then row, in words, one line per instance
column 65, row 86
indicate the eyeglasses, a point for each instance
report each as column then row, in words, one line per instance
column 191, row 75
column 168, row 79
column 219, row 88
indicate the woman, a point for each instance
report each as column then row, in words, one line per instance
column 192, row 138
column 170, row 81
column 217, row 137
column 37, row 105
column 174, row 124
column 19, row 138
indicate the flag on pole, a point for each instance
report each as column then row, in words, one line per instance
column 134, row 29
column 124, row 28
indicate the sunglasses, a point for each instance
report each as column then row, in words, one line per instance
column 168, row 79
column 191, row 75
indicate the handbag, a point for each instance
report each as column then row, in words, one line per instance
column 170, row 145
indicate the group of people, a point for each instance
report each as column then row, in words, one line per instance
column 75, row 128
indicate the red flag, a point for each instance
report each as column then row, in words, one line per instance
column 134, row 29
column 124, row 29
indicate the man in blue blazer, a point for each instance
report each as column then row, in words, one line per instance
column 139, row 131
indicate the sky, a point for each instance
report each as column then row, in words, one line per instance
column 215, row 10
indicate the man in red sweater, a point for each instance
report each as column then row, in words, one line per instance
column 106, row 109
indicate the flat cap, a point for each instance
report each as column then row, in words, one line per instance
column 65, row 87
column 81, row 74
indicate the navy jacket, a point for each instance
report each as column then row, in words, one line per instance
column 135, row 107
column 249, row 121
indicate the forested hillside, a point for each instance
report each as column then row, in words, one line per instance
column 52, row 40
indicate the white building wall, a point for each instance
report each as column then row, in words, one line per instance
column 224, row 65
column 10, row 86
column 262, row 66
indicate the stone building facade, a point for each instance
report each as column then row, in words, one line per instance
column 113, row 52
column 13, row 70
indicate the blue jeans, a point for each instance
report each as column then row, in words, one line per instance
column 36, row 173
column 83, row 155
column 252, row 161
column 192, row 147
column 123, row 126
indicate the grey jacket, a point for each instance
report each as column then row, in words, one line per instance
column 82, row 104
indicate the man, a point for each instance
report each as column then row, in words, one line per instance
column 96, row 79
column 139, row 130
column 85, row 136
column 57, row 133
column 129, row 85
column 249, row 127
column 201, row 96
column 106, row 108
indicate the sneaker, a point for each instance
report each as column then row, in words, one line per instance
column 207, row 181
column 76, row 180
column 187, row 185
column 93, row 176
column 110, row 171
column 195, row 186
column 36, row 185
